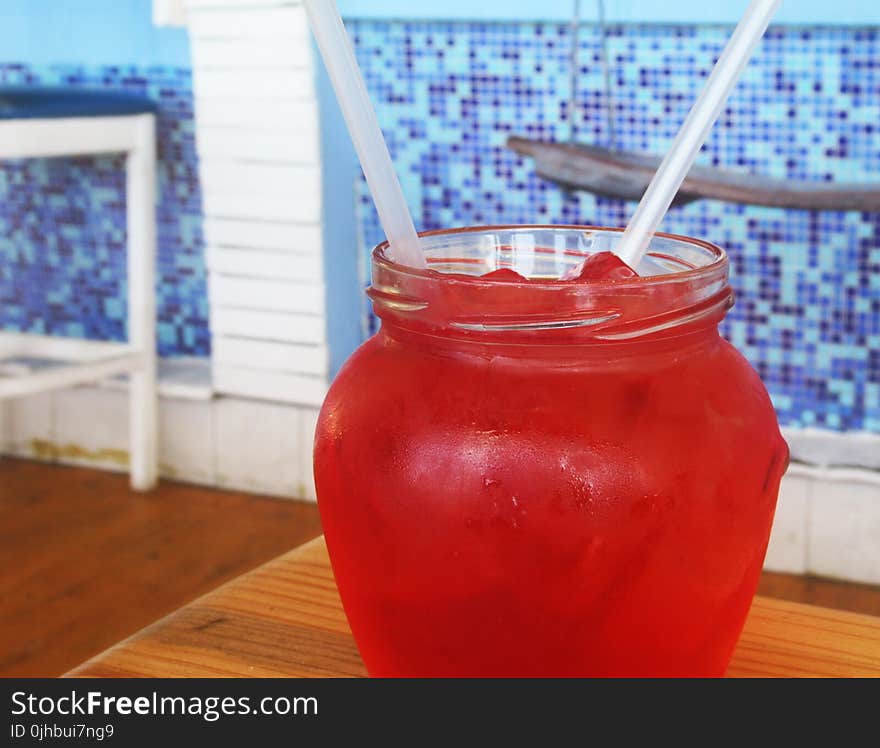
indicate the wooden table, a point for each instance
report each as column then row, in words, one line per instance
column 285, row 619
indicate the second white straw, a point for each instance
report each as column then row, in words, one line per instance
column 363, row 125
column 693, row 133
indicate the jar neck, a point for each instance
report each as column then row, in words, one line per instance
column 681, row 306
column 643, row 353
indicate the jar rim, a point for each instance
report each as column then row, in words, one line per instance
column 684, row 283
column 720, row 260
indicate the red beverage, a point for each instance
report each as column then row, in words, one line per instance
column 548, row 477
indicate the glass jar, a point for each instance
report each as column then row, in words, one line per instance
column 548, row 478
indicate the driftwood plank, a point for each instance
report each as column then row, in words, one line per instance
column 625, row 176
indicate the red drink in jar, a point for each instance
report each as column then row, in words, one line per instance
column 548, row 477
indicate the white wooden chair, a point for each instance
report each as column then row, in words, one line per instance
column 41, row 123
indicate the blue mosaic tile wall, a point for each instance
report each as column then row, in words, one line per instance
column 808, row 284
column 62, row 224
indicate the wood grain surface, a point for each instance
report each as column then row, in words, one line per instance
column 285, row 620
column 84, row 561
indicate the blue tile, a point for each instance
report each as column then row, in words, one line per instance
column 808, row 284
column 62, row 224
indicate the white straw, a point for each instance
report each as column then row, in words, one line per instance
column 339, row 57
column 693, row 133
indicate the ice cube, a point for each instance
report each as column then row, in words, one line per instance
column 604, row 266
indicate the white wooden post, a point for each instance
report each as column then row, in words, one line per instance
column 141, row 217
column 258, row 134
column 86, row 361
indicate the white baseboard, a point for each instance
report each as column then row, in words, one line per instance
column 231, row 443
column 827, row 520
column 828, row 516
column 828, row 524
column 853, row 449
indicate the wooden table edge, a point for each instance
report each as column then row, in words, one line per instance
column 301, row 550
column 780, row 638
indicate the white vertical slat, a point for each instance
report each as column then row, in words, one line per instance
column 297, row 207
column 249, row 23
column 258, row 263
column 271, row 325
column 267, row 295
column 253, row 84
column 282, row 181
column 266, row 113
column 277, row 235
column 240, row 145
column 261, row 191
column 246, row 54
column 258, row 134
column 271, row 356
column 270, row 385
